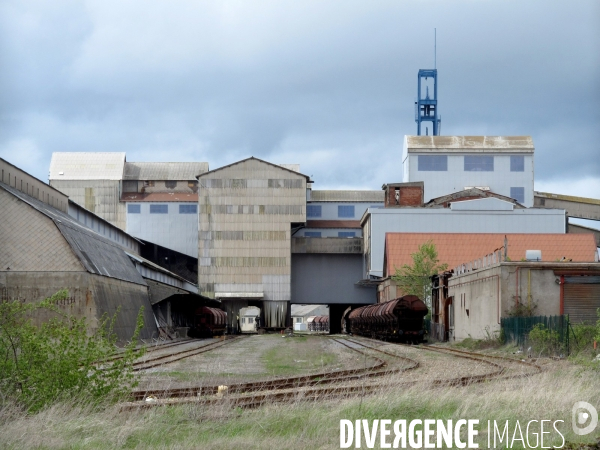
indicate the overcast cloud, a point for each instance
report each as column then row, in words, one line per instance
column 327, row 84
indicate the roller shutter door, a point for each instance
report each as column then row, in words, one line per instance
column 582, row 299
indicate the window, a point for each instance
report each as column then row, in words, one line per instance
column 479, row 163
column 243, row 320
column 518, row 193
column 159, row 209
column 298, row 319
column 313, row 210
column 346, row 211
column 134, row 209
column 346, row 234
column 433, row 163
column 517, row 163
column 188, row 209
column 250, row 319
column 312, row 234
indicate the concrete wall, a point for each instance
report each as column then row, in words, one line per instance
column 491, row 294
column 30, row 241
column 90, row 296
column 329, row 279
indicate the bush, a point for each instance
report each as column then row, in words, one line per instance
column 544, row 341
column 583, row 338
column 59, row 360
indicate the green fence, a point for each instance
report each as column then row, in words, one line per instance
column 516, row 329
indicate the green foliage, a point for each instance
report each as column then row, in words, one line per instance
column 415, row 279
column 597, row 338
column 59, row 359
column 583, row 338
column 544, row 341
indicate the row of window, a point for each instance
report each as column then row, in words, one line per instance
column 243, row 183
column 472, row 163
column 243, row 235
column 162, row 209
column 344, row 211
column 243, row 261
column 252, row 209
column 343, row 234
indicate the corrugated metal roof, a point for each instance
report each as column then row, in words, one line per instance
column 252, row 158
column 87, row 165
column 466, row 143
column 97, row 254
column 159, row 197
column 164, row 170
column 347, row 196
column 468, row 194
column 308, row 310
column 458, row 248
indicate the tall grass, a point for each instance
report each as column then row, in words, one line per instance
column 298, row 423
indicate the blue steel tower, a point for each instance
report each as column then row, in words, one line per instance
column 426, row 108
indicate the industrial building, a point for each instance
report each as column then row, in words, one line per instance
column 247, row 212
column 49, row 243
column 447, row 164
column 480, row 295
column 482, row 215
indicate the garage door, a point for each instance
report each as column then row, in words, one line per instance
column 582, row 299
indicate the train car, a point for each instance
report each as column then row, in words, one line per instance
column 249, row 320
column 208, row 322
column 319, row 324
column 400, row 319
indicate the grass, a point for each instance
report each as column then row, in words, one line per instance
column 299, row 424
column 299, row 354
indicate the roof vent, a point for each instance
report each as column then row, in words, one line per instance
column 533, row 255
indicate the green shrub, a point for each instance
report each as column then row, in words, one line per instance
column 544, row 341
column 582, row 338
column 59, row 359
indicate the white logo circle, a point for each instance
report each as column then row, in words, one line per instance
column 581, row 417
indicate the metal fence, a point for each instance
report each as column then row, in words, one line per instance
column 517, row 329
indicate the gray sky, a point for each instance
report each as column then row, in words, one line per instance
column 327, row 84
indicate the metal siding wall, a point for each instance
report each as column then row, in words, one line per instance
column 456, row 178
column 582, row 301
column 175, row 231
column 329, row 210
column 102, row 197
column 256, row 264
column 329, row 279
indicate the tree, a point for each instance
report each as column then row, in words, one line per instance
column 415, row 279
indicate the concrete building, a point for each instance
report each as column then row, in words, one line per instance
column 479, row 296
column 455, row 248
column 247, row 211
column 485, row 215
column 45, row 250
column 447, row 164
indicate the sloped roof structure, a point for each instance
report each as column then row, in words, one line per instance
column 164, row 170
column 87, row 165
column 458, row 248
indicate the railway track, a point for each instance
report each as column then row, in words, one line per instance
column 378, row 369
column 320, row 386
column 160, row 360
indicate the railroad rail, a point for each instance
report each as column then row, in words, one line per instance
column 161, row 360
column 378, row 369
column 318, row 386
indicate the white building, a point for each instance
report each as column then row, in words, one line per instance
column 446, row 164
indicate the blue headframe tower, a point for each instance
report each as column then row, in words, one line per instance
column 426, row 107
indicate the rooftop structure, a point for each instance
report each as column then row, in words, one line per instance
column 448, row 164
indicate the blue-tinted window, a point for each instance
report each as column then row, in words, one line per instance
column 313, row 210
column 517, row 163
column 312, row 234
column 479, row 163
column 346, row 234
column 346, row 211
column 518, row 193
column 188, row 209
column 134, row 209
column 159, row 209
column 433, row 163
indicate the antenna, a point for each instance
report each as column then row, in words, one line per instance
column 435, row 48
